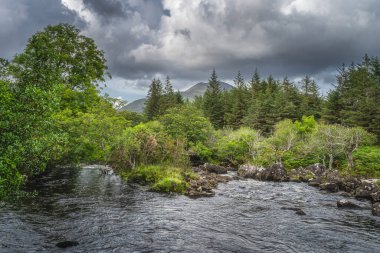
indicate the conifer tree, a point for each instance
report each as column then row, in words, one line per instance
column 311, row 101
column 153, row 102
column 169, row 98
column 212, row 103
column 238, row 106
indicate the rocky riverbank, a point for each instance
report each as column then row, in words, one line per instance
column 318, row 176
column 315, row 175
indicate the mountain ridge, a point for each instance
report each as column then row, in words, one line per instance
column 197, row 89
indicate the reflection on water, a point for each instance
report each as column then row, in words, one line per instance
column 106, row 215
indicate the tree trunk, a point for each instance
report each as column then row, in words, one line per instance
column 331, row 161
column 350, row 159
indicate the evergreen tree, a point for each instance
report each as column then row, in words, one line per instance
column 356, row 99
column 311, row 101
column 238, row 106
column 169, row 98
column 212, row 102
column 255, row 83
column 153, row 102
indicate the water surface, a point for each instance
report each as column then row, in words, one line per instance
column 104, row 214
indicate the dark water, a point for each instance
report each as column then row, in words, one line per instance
column 105, row 215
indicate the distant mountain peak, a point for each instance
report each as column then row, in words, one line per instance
column 197, row 89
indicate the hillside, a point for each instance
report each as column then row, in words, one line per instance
column 196, row 90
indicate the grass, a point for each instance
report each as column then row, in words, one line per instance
column 161, row 178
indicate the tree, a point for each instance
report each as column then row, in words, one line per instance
column 212, row 102
column 329, row 140
column 169, row 99
column 60, row 55
column 311, row 101
column 353, row 138
column 356, row 99
column 283, row 139
column 238, row 103
column 187, row 123
column 153, row 101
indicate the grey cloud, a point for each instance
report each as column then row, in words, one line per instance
column 107, row 9
column 21, row 19
column 146, row 38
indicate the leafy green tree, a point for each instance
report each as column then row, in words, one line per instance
column 353, row 139
column 60, row 55
column 212, row 102
column 284, row 139
column 152, row 107
column 187, row 123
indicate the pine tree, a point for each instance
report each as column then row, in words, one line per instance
column 356, row 99
column 311, row 100
column 169, row 98
column 239, row 102
column 212, row 103
column 153, row 102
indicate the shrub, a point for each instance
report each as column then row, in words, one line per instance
column 367, row 161
column 236, row 147
column 161, row 178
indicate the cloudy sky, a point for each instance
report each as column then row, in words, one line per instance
column 185, row 39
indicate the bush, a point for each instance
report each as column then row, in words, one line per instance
column 161, row 178
column 187, row 123
column 367, row 161
column 146, row 143
column 169, row 184
column 237, row 147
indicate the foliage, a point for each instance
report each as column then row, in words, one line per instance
column 28, row 139
column 212, row 102
column 356, row 99
column 237, row 147
column 160, row 178
column 367, row 161
column 187, row 124
column 60, row 55
column 284, row 139
column 146, row 143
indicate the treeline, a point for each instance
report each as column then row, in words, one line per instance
column 262, row 102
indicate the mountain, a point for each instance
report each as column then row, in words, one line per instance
column 200, row 88
column 196, row 90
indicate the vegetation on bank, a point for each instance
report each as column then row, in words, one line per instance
column 52, row 112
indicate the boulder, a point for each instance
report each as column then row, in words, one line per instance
column 275, row 173
column 349, row 184
column 376, row 208
column 365, row 190
column 300, row 212
column 249, row 171
column 300, row 175
column 345, row 203
column 66, row 244
column 213, row 168
column 331, row 187
column 315, row 182
column 376, row 196
column 317, row 169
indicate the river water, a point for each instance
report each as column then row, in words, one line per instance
column 104, row 214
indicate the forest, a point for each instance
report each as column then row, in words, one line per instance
column 53, row 113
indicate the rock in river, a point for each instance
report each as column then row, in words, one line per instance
column 345, row 203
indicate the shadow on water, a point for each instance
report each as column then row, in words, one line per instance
column 103, row 214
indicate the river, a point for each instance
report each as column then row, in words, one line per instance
column 104, row 214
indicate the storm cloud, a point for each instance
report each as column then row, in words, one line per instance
column 143, row 39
